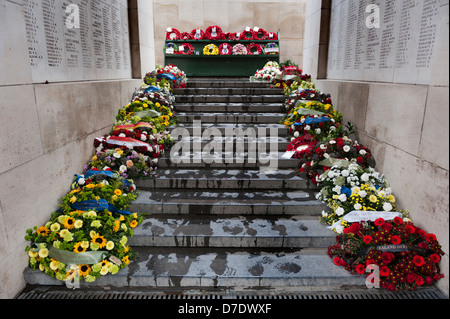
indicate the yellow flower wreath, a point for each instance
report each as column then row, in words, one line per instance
column 211, row 49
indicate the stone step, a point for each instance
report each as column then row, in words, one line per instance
column 225, row 83
column 238, row 118
column 220, row 269
column 231, row 202
column 226, row 91
column 227, row 160
column 282, row 143
column 230, row 99
column 232, row 129
column 225, row 179
column 237, row 232
column 228, row 107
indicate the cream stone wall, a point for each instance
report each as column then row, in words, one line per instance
column 233, row 16
column 46, row 136
column 405, row 125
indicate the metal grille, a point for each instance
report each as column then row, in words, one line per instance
column 359, row 294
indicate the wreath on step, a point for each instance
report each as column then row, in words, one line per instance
column 225, row 49
column 214, row 33
column 197, row 34
column 185, row 36
column 254, row 49
column 233, row 36
column 210, row 49
column 261, row 34
column 247, row 35
column 272, row 36
column 239, row 49
column 172, row 34
column 170, row 48
column 188, row 49
column 271, row 48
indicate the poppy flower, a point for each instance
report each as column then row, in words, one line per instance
column 360, row 269
column 385, row 271
column 396, row 240
column 379, row 222
column 367, row 239
column 435, row 258
column 418, row 261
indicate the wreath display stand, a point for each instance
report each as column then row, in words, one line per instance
column 196, row 62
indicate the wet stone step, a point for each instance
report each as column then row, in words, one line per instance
column 227, row 91
column 210, row 117
column 224, row 179
column 230, row 98
column 228, row 107
column 220, row 269
column 270, row 162
column 231, row 129
column 281, row 143
column 229, row 83
column 233, row 202
column 294, row 232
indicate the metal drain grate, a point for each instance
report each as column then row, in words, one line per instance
column 359, row 294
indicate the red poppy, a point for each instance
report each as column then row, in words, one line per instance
column 418, row 261
column 337, row 261
column 411, row 229
column 435, row 258
column 379, row 222
column 396, row 240
column 385, row 271
column 411, row 277
column 430, row 237
column 398, row 220
column 367, row 239
column 419, row 281
column 360, row 269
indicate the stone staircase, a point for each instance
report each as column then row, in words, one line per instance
column 228, row 227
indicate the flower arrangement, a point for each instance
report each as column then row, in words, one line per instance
column 323, row 128
column 254, row 49
column 239, row 49
column 327, row 153
column 268, row 73
column 170, row 48
column 129, row 163
column 172, row 34
column 260, row 34
column 214, row 33
column 86, row 238
column 302, row 145
column 225, row 49
column 210, row 49
column 407, row 257
column 233, row 36
column 185, row 36
column 247, row 34
column 372, row 232
column 197, row 34
column 271, row 48
column 86, row 243
column 188, row 49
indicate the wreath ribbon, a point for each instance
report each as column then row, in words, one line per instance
column 100, row 205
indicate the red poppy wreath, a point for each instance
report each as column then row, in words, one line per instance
column 185, row 36
column 188, row 49
column 172, row 34
column 225, row 49
column 247, row 35
column 197, row 34
column 214, row 33
column 261, row 34
column 254, row 49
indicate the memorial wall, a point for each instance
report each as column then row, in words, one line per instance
column 382, row 41
column 77, row 40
